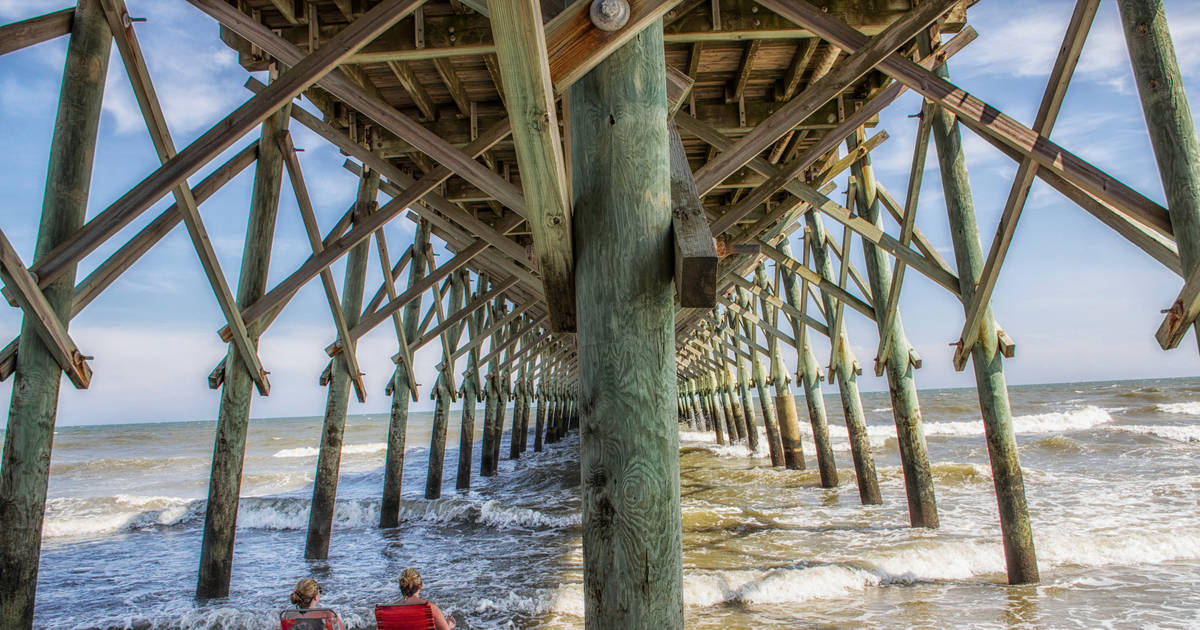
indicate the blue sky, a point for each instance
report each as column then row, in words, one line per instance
column 1080, row 302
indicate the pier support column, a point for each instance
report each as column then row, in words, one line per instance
column 845, row 375
column 229, row 448
column 443, row 391
column 906, row 410
column 539, row 430
column 329, row 460
column 1168, row 120
column 750, row 432
column 629, row 445
column 471, row 395
column 770, row 423
column 491, row 400
column 990, row 384
column 402, row 391
column 33, row 409
column 519, row 402
column 716, row 410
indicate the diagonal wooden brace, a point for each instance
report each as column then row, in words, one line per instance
column 304, row 202
column 156, row 124
column 41, row 316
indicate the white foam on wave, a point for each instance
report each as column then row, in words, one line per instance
column 369, row 448
column 567, row 599
column 1177, row 433
column 1053, row 422
column 1189, row 408
column 75, row 517
column 292, row 514
column 1130, row 548
column 710, row 588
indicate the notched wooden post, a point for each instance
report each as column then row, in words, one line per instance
column 695, row 252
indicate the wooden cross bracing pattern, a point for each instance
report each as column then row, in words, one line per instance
column 458, row 112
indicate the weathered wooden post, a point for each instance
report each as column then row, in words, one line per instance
column 503, row 394
column 629, row 448
column 1171, row 128
column 988, row 361
column 899, row 358
column 471, row 394
column 491, row 401
column 329, row 459
column 33, row 409
column 724, row 386
column 809, row 374
column 443, row 390
column 734, row 370
column 787, row 441
column 744, row 380
column 514, row 439
column 713, row 395
column 539, row 430
column 774, row 444
column 229, row 447
column 401, row 390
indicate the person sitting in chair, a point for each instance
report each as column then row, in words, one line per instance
column 307, row 616
column 412, row 612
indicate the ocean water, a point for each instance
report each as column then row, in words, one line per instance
column 1112, row 474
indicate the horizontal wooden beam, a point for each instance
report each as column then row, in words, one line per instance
column 835, row 291
column 35, row 30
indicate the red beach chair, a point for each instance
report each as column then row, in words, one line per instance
column 308, row 619
column 415, row 616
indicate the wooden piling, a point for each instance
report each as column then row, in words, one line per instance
column 514, row 438
column 229, row 448
column 471, row 395
column 750, row 432
column 629, row 445
column 329, row 458
column 765, row 400
column 906, row 410
column 540, row 425
column 33, row 409
column 402, row 391
column 847, row 378
column 990, row 384
column 443, row 393
column 491, row 399
column 1169, row 123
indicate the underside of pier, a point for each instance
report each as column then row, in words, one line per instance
column 638, row 196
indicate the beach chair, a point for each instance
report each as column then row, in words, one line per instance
column 307, row 619
column 416, row 616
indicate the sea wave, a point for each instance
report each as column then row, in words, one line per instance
column 1169, row 432
column 1189, row 408
column 1053, row 422
column 369, row 448
column 1129, row 548
column 73, row 517
column 284, row 513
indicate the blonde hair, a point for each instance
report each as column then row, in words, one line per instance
column 306, row 591
column 410, row 582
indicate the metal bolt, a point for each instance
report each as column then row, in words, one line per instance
column 609, row 15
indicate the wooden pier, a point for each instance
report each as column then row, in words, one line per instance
column 623, row 185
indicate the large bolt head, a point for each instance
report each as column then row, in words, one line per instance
column 609, row 15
